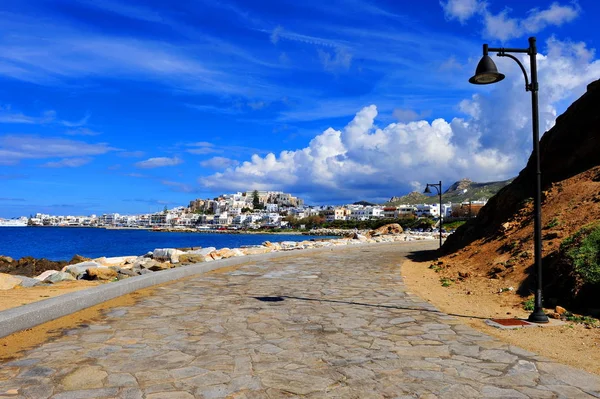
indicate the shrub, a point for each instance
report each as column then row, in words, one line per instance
column 583, row 249
column 529, row 304
column 553, row 223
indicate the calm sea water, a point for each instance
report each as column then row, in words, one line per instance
column 61, row 243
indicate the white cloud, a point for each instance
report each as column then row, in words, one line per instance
column 503, row 27
column 340, row 59
column 7, row 115
column 67, row 163
column 158, row 162
column 276, row 34
column 460, row 9
column 14, row 148
column 81, row 131
column 219, row 163
column 408, row 115
column 364, row 160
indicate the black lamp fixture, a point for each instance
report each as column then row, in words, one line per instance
column 438, row 188
column 487, row 73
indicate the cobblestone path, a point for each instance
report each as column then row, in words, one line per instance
column 334, row 324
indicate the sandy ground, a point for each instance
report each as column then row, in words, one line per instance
column 568, row 343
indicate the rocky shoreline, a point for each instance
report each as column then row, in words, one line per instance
column 30, row 272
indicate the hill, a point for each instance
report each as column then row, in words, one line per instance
column 498, row 244
column 461, row 191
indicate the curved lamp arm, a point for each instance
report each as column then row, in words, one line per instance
column 527, row 85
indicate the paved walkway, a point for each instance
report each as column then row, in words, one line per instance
column 345, row 328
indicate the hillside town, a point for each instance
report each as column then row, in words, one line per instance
column 254, row 210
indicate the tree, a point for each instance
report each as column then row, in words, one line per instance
column 165, row 211
column 256, row 200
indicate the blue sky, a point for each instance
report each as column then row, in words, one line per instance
column 128, row 106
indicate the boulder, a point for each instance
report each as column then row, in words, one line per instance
column 158, row 267
column 392, row 228
column 167, row 254
column 6, row 259
column 100, row 273
column 237, row 252
column 126, row 272
column 116, row 261
column 256, row 250
column 203, row 251
column 8, row 282
column 28, row 281
column 58, row 277
column 79, row 269
column 189, row 258
column 78, row 259
column 46, row 274
column 223, row 253
column 286, row 245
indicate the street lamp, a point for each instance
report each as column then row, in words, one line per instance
column 487, row 73
column 438, row 187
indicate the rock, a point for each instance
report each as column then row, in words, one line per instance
column 256, row 250
column 392, row 228
column 6, row 259
column 360, row 237
column 223, row 253
column 237, row 252
column 8, row 282
column 560, row 310
column 145, row 271
column 203, row 251
column 159, row 266
column 27, row 282
column 116, row 261
column 267, row 244
column 126, row 272
column 58, row 277
column 287, row 245
column 79, row 268
column 100, row 273
column 46, row 274
column 170, row 254
column 188, row 259
column 78, row 259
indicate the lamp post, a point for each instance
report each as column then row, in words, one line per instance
column 438, row 187
column 487, row 73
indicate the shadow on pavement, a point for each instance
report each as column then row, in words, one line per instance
column 278, row 299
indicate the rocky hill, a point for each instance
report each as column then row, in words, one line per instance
column 499, row 242
column 461, row 191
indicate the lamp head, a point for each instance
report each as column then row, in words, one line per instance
column 486, row 72
column 427, row 190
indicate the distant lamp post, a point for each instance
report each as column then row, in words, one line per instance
column 487, row 73
column 438, row 187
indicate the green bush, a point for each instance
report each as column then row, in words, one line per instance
column 583, row 249
column 529, row 304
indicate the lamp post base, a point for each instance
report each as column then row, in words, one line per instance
column 538, row 316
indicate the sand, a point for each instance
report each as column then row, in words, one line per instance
column 570, row 343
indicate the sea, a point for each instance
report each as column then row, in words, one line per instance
column 61, row 243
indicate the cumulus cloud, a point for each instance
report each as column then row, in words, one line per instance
column 158, row 162
column 68, row 163
column 219, row 163
column 14, row 148
column 492, row 141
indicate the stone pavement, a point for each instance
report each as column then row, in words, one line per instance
column 329, row 324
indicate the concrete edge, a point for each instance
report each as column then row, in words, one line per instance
column 36, row 313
